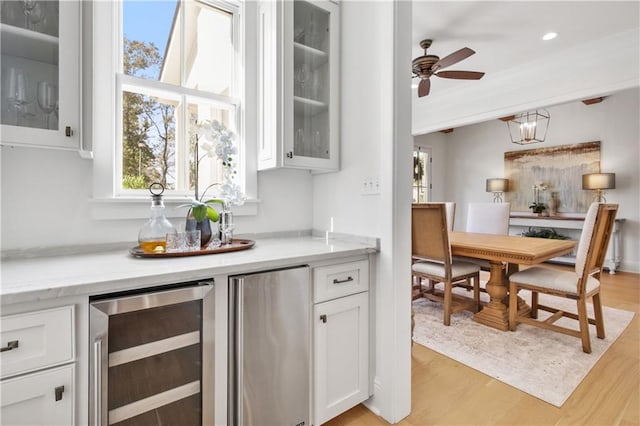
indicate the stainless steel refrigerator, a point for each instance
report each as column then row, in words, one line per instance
column 269, row 348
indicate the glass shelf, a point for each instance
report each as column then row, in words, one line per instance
column 27, row 44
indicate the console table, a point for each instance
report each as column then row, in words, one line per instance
column 570, row 226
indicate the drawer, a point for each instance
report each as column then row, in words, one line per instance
column 37, row 340
column 333, row 281
column 41, row 398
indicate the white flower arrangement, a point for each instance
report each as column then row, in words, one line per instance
column 219, row 143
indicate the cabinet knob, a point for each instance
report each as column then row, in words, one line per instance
column 58, row 391
column 11, row 345
column 68, row 132
column 290, row 154
column 323, row 318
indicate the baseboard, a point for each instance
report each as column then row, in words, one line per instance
column 626, row 266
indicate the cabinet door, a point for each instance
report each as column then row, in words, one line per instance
column 341, row 351
column 298, row 93
column 311, row 54
column 41, row 73
column 44, row 398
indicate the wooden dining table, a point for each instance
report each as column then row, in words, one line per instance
column 505, row 253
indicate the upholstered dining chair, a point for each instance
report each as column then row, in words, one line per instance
column 488, row 218
column 579, row 285
column 431, row 253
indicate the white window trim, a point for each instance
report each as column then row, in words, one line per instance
column 107, row 202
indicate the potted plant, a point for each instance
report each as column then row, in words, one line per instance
column 538, row 207
column 218, row 143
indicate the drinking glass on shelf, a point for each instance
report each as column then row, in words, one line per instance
column 302, row 77
column 47, row 100
column 36, row 16
column 311, row 38
column 298, row 142
column 28, row 6
column 17, row 91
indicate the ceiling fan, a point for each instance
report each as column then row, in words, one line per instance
column 427, row 65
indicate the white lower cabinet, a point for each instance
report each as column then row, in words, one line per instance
column 43, row 398
column 37, row 367
column 341, row 342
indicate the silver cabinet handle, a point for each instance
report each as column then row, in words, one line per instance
column 337, row 281
column 11, row 345
column 58, row 391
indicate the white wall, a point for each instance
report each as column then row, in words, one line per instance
column 476, row 152
column 45, row 196
column 376, row 142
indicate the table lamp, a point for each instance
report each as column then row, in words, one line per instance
column 598, row 182
column 498, row 186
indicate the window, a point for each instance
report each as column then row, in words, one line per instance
column 179, row 66
column 421, row 175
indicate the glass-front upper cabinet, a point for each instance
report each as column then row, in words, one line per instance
column 40, row 73
column 308, row 96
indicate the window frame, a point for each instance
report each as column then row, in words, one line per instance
column 111, row 202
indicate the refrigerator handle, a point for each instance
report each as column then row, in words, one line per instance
column 235, row 352
column 97, row 382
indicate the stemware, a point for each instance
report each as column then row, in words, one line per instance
column 28, row 6
column 302, row 77
column 17, row 91
column 36, row 16
column 47, row 100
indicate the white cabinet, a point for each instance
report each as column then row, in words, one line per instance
column 43, row 398
column 341, row 338
column 41, row 74
column 37, row 366
column 298, row 89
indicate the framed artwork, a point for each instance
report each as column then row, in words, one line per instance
column 556, row 169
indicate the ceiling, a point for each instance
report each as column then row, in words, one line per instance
column 508, row 35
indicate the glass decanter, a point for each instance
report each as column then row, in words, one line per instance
column 153, row 234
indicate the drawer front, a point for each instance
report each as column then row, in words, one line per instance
column 35, row 340
column 42, row 398
column 331, row 282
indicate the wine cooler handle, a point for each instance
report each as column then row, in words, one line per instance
column 97, row 382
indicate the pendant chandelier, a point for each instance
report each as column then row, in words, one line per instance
column 529, row 127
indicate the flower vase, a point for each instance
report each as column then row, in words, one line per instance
column 553, row 204
column 203, row 226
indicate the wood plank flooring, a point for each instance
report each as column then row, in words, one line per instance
column 445, row 392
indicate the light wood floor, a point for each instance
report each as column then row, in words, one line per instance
column 445, row 392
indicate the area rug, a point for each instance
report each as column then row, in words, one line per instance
column 542, row 363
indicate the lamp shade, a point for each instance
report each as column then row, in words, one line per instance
column 497, row 185
column 599, row 181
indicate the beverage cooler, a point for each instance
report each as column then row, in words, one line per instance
column 152, row 356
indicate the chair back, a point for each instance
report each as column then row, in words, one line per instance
column 488, row 218
column 429, row 233
column 450, row 207
column 592, row 247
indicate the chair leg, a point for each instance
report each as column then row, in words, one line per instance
column 584, row 325
column 597, row 310
column 448, row 296
column 534, row 304
column 513, row 306
column 476, row 292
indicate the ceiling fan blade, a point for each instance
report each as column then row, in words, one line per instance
column 423, row 87
column 461, row 75
column 455, row 57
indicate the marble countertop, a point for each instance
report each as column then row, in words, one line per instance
column 38, row 278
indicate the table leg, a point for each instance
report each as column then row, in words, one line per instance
column 495, row 313
column 523, row 308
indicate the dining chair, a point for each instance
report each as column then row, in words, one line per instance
column 577, row 285
column 431, row 252
column 488, row 218
column 450, row 208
